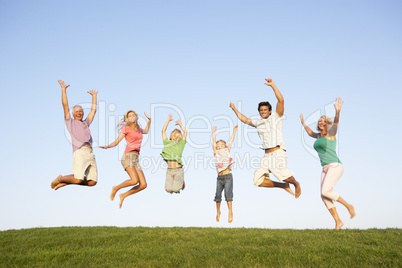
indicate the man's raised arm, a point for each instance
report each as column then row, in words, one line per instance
column 242, row 117
column 91, row 114
column 280, row 106
column 64, row 100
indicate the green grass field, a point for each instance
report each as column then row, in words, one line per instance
column 199, row 247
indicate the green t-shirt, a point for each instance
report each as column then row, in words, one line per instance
column 173, row 150
column 326, row 151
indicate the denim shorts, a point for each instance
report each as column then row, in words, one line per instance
column 224, row 182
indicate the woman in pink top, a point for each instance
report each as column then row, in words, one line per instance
column 133, row 134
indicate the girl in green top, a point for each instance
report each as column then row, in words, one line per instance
column 332, row 167
column 171, row 153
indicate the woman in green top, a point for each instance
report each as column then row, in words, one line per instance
column 332, row 167
column 171, row 153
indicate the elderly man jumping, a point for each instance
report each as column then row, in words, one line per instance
column 84, row 165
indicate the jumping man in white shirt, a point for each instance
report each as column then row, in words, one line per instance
column 269, row 128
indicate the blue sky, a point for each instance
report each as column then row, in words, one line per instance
column 191, row 59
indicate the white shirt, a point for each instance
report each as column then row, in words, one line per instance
column 223, row 160
column 270, row 131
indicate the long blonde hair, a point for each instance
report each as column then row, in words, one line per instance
column 124, row 122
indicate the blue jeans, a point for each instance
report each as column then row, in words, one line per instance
column 224, row 182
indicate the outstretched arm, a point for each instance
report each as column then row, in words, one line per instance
column 242, row 117
column 308, row 130
column 113, row 144
column 91, row 114
column 182, row 128
column 214, row 139
column 146, row 129
column 64, row 100
column 170, row 118
column 232, row 138
column 280, row 106
column 338, row 105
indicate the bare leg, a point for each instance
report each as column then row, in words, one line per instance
column 141, row 186
column 133, row 181
column 296, row 184
column 69, row 179
column 90, row 183
column 338, row 222
column 56, row 181
column 218, row 211
column 230, row 211
column 60, row 185
column 269, row 184
column 350, row 208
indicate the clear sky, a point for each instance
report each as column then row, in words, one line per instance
column 191, row 59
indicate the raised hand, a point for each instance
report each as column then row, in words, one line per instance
column 170, row 117
column 147, row 116
column 62, row 84
column 93, row 92
column 269, row 82
column 178, row 122
column 338, row 104
column 213, row 129
column 302, row 119
column 231, row 105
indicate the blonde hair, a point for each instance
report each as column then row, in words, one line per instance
column 124, row 122
column 328, row 119
column 175, row 131
column 224, row 142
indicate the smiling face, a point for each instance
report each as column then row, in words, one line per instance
column 324, row 123
column 132, row 117
column 78, row 113
column 220, row 145
column 264, row 108
column 264, row 111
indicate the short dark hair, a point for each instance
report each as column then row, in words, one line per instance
column 264, row 103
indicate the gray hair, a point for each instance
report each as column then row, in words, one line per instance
column 77, row 106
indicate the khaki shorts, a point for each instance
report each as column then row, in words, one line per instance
column 84, row 164
column 275, row 163
column 174, row 180
column 130, row 159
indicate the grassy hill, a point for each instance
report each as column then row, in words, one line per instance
column 199, row 247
